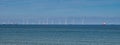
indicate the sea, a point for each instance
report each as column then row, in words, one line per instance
column 59, row 34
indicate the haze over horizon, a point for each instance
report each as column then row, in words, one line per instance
column 96, row 11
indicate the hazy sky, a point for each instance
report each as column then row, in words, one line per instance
column 53, row 8
column 59, row 8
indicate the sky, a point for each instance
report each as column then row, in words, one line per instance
column 17, row 9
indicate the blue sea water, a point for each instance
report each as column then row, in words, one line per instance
column 59, row 34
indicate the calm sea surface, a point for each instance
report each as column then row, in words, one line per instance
column 59, row 34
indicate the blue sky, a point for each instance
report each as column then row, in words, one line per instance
column 55, row 8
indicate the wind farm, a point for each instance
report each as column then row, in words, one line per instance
column 63, row 21
column 59, row 22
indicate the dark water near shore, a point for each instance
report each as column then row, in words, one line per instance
column 59, row 34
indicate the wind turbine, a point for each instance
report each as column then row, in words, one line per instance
column 104, row 23
column 83, row 20
column 66, row 21
column 73, row 21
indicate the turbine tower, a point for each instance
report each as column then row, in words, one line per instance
column 66, row 21
column 83, row 20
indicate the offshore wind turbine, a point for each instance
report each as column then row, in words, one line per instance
column 39, row 22
column 104, row 23
column 73, row 21
column 26, row 22
column 65, row 21
column 52, row 21
column 59, row 21
column 83, row 21
column 47, row 20
column 44, row 21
